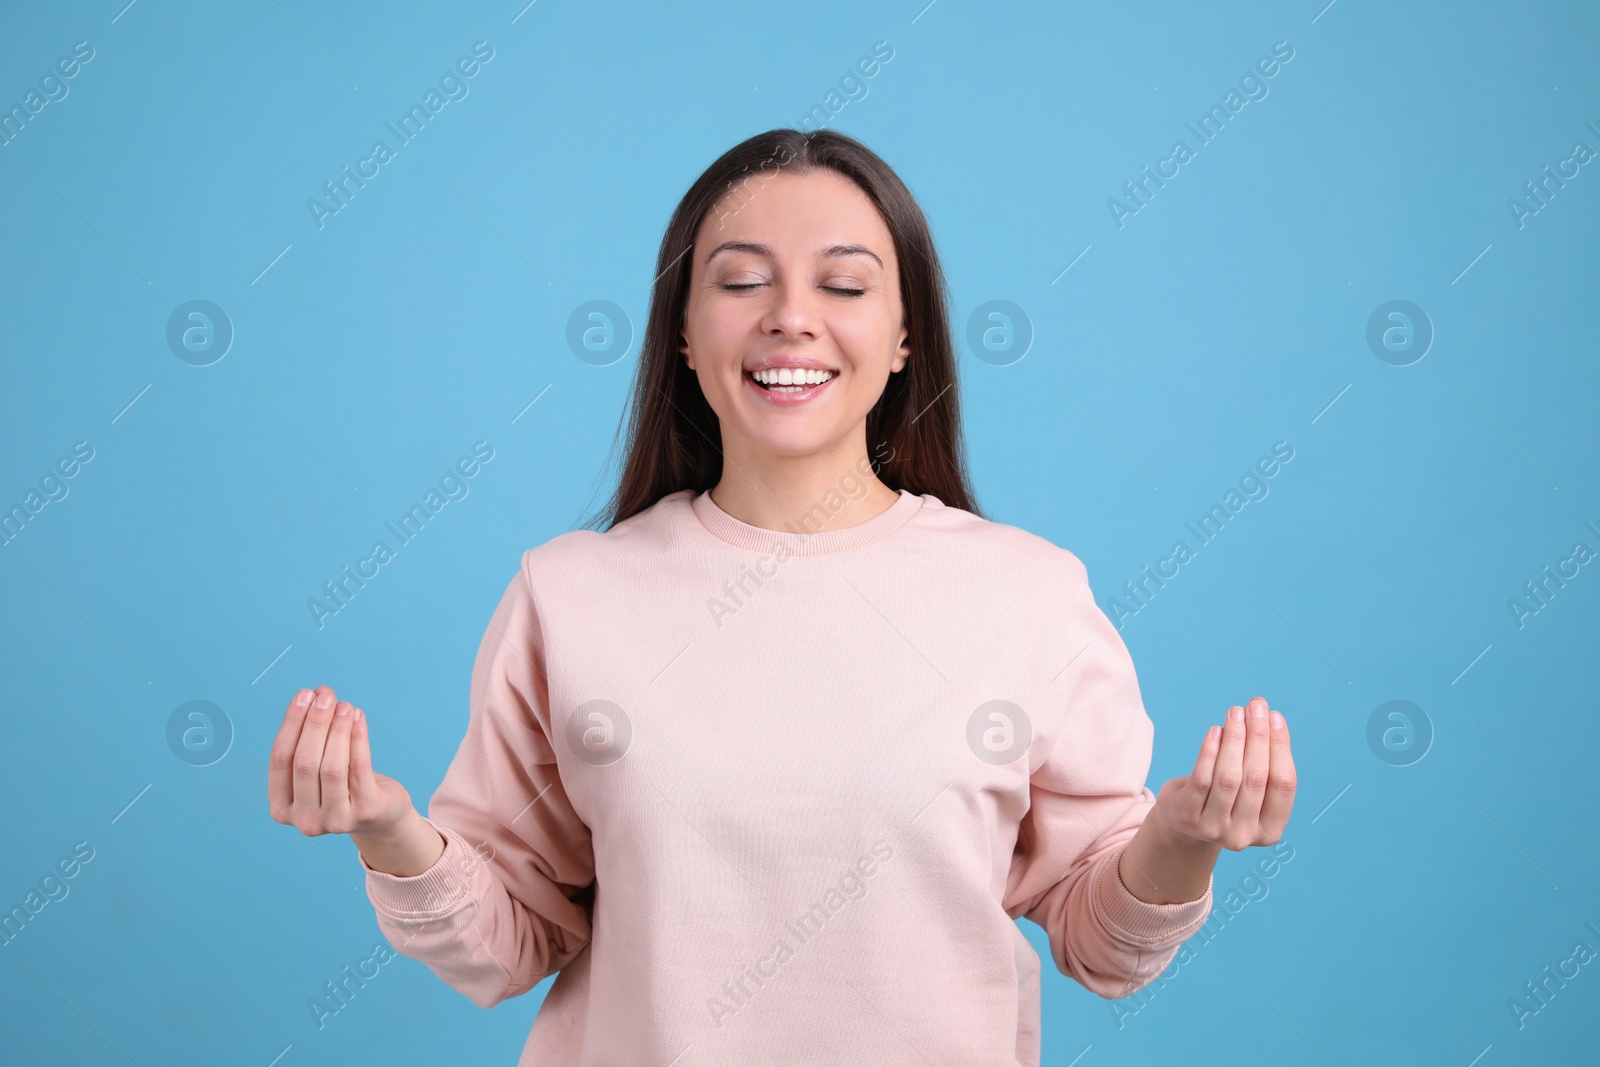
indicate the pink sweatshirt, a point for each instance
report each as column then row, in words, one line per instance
column 773, row 798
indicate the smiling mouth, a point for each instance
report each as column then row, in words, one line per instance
column 789, row 381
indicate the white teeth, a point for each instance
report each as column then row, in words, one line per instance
column 791, row 376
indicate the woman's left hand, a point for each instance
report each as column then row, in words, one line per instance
column 1242, row 786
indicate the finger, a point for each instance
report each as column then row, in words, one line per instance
column 280, row 763
column 1229, row 771
column 335, row 775
column 1205, row 763
column 1256, row 762
column 363, row 786
column 1281, row 781
column 308, row 759
column 1186, row 803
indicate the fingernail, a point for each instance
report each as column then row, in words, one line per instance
column 303, row 698
column 1257, row 709
column 324, row 700
column 360, row 713
column 342, row 710
column 1277, row 720
column 1236, row 714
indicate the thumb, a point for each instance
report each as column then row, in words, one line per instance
column 363, row 784
column 1175, row 796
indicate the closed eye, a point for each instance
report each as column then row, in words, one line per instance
column 830, row 288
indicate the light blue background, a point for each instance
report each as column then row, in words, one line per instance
column 1228, row 314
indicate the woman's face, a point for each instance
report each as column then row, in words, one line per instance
column 796, row 276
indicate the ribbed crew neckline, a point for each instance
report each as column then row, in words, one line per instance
column 742, row 534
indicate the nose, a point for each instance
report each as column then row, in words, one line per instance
column 792, row 312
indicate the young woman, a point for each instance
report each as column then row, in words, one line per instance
column 768, row 768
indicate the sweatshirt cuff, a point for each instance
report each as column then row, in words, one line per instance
column 438, row 890
column 1139, row 921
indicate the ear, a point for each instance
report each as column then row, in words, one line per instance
column 902, row 354
column 683, row 348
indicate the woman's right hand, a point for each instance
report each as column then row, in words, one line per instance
column 320, row 777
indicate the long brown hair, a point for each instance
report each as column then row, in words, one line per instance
column 913, row 431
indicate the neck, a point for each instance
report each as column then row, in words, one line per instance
column 836, row 489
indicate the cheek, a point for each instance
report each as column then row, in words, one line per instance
column 720, row 332
column 866, row 342
column 726, row 333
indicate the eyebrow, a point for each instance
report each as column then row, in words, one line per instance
column 831, row 252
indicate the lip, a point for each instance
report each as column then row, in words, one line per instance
column 788, row 399
column 773, row 362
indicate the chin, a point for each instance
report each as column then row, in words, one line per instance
column 806, row 442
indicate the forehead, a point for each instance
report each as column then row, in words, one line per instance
column 797, row 217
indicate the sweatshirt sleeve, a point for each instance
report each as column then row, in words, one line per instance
column 507, row 902
column 1087, row 800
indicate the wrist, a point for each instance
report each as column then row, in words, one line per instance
column 398, row 830
column 406, row 849
column 1161, row 864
